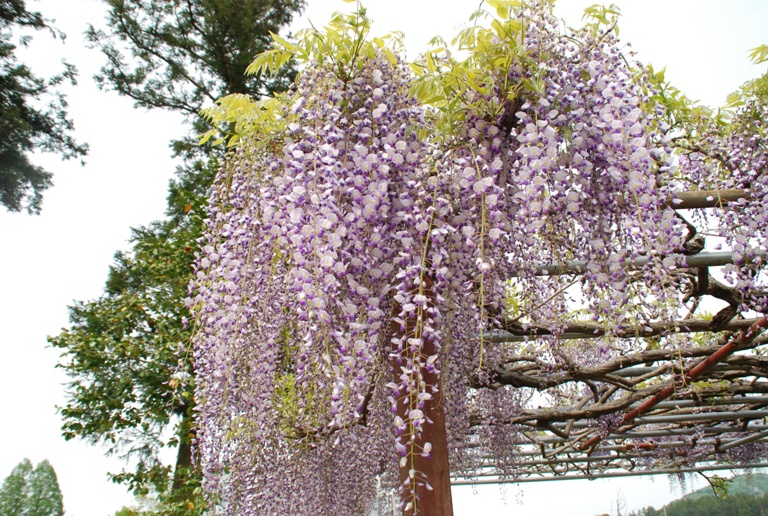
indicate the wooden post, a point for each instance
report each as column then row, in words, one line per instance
column 435, row 501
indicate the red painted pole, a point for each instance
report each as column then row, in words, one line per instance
column 702, row 367
column 433, row 490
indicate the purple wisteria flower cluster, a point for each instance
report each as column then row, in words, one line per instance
column 561, row 161
column 737, row 157
column 361, row 254
column 590, row 169
column 307, row 251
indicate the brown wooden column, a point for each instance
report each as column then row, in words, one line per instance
column 437, row 500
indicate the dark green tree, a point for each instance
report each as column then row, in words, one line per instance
column 125, row 351
column 24, row 124
column 15, row 489
column 180, row 55
column 31, row 492
column 44, row 494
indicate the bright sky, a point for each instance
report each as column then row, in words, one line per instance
column 48, row 261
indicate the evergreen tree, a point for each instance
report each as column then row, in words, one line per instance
column 25, row 126
column 31, row 492
column 44, row 493
column 185, row 54
column 15, row 489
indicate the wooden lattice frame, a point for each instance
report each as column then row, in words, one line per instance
column 698, row 404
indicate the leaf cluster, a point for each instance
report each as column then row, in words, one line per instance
column 122, row 347
column 482, row 82
column 341, row 45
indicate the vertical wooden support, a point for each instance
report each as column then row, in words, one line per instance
column 435, row 500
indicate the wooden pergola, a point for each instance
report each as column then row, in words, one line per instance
column 694, row 405
column 666, row 409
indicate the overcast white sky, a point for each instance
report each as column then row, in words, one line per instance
column 48, row 261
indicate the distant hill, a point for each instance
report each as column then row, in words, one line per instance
column 747, row 496
column 755, row 484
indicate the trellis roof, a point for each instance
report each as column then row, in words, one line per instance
column 665, row 409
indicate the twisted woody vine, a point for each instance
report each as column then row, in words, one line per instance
column 373, row 227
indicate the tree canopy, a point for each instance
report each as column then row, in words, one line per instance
column 132, row 382
column 182, row 55
column 33, row 114
column 377, row 233
column 29, row 491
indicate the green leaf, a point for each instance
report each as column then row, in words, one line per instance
column 602, row 14
column 282, row 41
column 470, row 78
column 498, row 28
column 734, row 100
column 390, row 56
column 431, row 67
column 759, row 54
column 416, row 69
column 207, row 136
column 503, row 3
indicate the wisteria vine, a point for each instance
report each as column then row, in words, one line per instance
column 373, row 224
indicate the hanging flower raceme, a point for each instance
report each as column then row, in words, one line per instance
column 360, row 245
column 554, row 156
column 731, row 152
column 312, row 286
column 590, row 170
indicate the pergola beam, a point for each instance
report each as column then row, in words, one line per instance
column 713, row 259
column 634, row 416
column 629, row 452
column 667, row 432
column 744, row 440
column 557, row 451
column 615, row 474
column 705, row 416
column 585, row 330
column 705, row 198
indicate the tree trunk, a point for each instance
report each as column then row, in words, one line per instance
column 184, row 455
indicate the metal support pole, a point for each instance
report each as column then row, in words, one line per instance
column 632, row 473
column 745, row 440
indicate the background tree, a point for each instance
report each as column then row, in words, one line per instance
column 31, row 492
column 187, row 54
column 122, row 349
column 15, row 489
column 44, row 494
column 24, row 124
column 737, row 505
